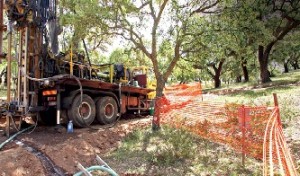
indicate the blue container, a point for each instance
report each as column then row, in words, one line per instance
column 70, row 127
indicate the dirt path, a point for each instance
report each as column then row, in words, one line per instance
column 63, row 150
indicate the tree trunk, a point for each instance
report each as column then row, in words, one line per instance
column 238, row 79
column 182, row 77
column 160, row 85
column 286, row 68
column 295, row 65
column 217, row 81
column 263, row 56
column 218, row 74
column 245, row 71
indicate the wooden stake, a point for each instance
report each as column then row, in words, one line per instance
column 275, row 99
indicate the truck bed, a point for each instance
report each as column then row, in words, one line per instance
column 97, row 84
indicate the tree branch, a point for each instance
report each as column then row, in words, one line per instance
column 203, row 8
column 209, row 72
column 152, row 13
column 154, row 29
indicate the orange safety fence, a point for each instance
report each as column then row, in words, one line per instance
column 275, row 150
column 246, row 129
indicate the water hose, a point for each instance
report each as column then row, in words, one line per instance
column 15, row 135
column 94, row 168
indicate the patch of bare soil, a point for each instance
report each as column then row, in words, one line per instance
column 17, row 161
column 63, row 149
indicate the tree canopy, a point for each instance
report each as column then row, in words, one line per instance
column 218, row 38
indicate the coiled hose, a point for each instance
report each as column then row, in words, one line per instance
column 94, row 168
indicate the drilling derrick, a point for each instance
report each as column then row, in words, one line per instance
column 26, row 32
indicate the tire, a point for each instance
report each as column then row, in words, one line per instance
column 107, row 110
column 88, row 111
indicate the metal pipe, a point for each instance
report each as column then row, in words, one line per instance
column 71, row 61
column 120, row 98
column 139, row 106
column 9, row 67
column 7, row 127
column 88, row 57
column 19, row 65
column 58, row 107
column 111, row 73
column 1, row 25
column 139, row 109
column 24, row 64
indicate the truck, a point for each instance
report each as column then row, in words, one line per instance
column 56, row 88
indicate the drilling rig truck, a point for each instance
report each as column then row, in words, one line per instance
column 56, row 88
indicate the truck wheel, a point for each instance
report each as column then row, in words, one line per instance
column 84, row 116
column 107, row 110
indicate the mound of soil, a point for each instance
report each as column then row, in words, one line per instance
column 64, row 150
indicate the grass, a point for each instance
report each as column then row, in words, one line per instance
column 283, row 79
column 286, row 86
column 287, row 78
column 288, row 99
column 177, row 152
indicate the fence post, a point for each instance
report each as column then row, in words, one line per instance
column 277, row 109
column 242, row 122
column 201, row 90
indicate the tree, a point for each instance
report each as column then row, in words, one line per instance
column 169, row 21
column 211, row 46
column 287, row 52
column 146, row 24
column 80, row 19
column 184, row 72
column 217, row 68
column 267, row 23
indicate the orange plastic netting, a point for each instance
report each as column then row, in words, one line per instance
column 241, row 127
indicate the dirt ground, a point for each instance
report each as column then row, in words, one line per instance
column 49, row 152
column 65, row 150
